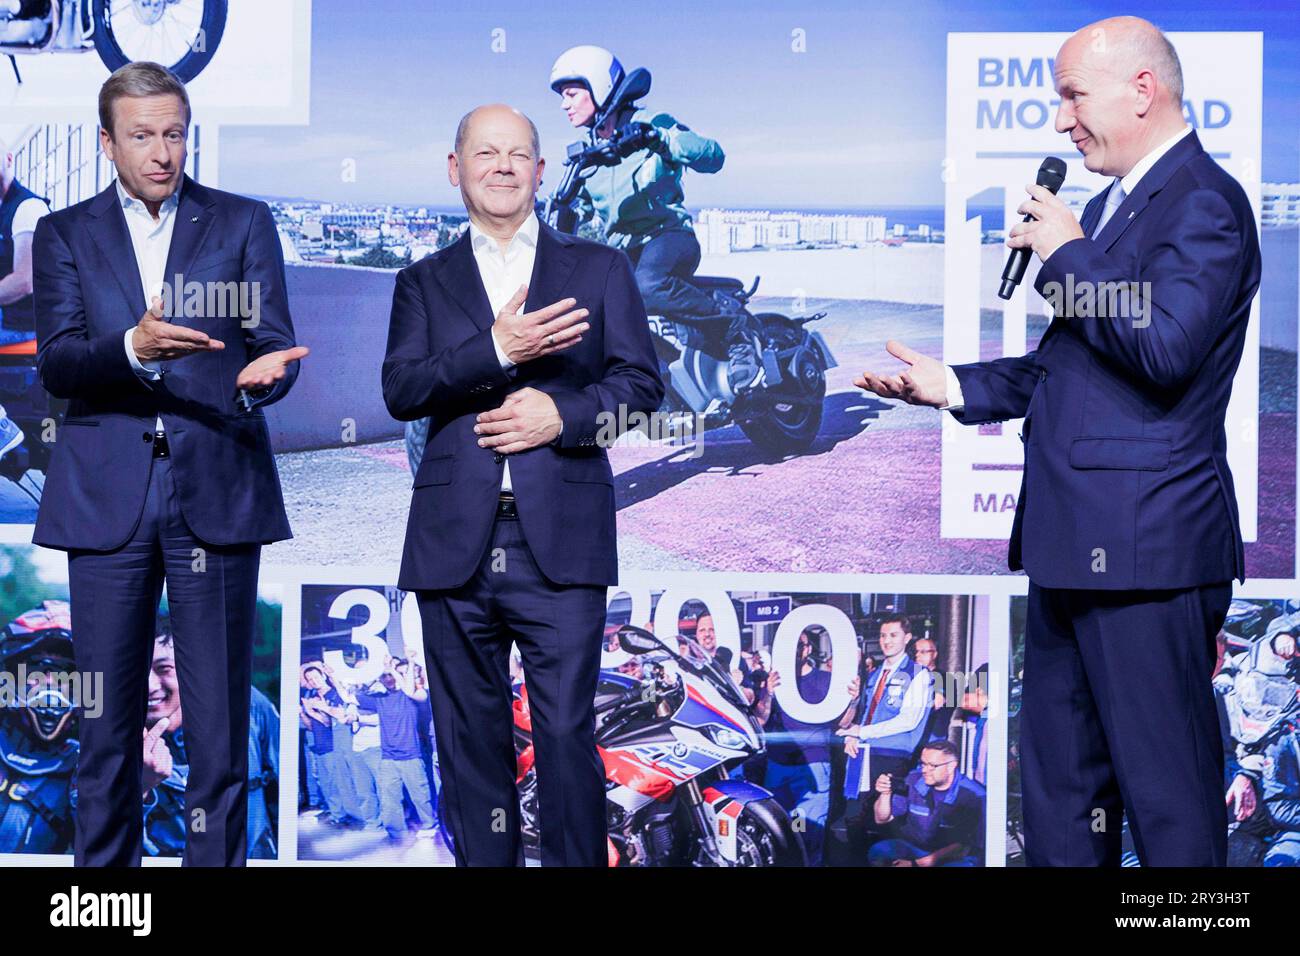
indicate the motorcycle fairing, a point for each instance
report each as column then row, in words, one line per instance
column 704, row 706
column 642, row 770
column 723, row 803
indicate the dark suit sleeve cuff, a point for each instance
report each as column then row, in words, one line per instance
column 481, row 368
column 109, row 359
column 578, row 414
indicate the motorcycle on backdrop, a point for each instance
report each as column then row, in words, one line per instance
column 783, row 412
column 668, row 742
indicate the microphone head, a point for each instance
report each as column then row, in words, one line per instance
column 1052, row 173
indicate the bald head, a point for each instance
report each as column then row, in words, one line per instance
column 1124, row 47
column 493, row 112
column 1121, row 91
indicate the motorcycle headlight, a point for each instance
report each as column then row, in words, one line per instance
column 725, row 737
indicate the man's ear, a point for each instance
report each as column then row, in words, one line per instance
column 453, row 169
column 1144, row 86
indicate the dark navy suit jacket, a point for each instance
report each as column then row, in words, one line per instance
column 88, row 293
column 1125, row 449
column 441, row 363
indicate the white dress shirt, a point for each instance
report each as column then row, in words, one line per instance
column 151, row 239
column 503, row 273
column 1128, row 184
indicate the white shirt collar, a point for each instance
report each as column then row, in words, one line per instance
column 1129, row 183
column 130, row 202
column 526, row 233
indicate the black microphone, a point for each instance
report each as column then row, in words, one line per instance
column 1051, row 174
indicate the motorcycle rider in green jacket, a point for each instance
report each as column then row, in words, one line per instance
column 642, row 207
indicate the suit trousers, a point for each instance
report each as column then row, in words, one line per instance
column 468, row 632
column 212, row 599
column 1118, row 719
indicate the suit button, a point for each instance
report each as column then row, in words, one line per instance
column 498, row 459
column 147, row 436
column 1042, row 375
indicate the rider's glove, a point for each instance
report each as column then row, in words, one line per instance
column 637, row 136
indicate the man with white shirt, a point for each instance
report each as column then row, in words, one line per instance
column 519, row 343
column 162, row 467
column 1126, row 523
column 895, row 707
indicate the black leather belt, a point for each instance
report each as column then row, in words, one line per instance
column 160, row 448
column 506, row 507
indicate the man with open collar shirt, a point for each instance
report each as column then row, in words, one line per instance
column 162, row 468
column 524, row 347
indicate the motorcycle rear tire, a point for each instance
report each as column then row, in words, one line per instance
column 769, row 432
column 782, row 431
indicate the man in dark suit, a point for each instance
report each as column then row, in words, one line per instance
column 511, row 529
column 1126, row 523
column 162, row 468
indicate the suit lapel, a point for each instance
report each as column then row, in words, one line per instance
column 194, row 218
column 551, row 269
column 1148, row 186
column 107, row 226
column 1128, row 210
column 459, row 275
column 552, row 266
column 1092, row 211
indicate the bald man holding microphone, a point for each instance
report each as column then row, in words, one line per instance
column 1126, row 523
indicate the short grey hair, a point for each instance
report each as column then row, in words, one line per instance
column 139, row 79
column 462, row 128
column 1160, row 53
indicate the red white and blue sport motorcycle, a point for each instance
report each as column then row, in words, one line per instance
column 668, row 739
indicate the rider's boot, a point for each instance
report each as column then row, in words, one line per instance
column 744, row 369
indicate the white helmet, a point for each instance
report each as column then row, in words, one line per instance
column 593, row 66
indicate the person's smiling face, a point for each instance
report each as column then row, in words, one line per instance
column 893, row 639
column 497, row 169
column 1098, row 105
column 164, row 686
